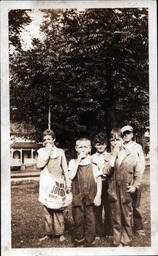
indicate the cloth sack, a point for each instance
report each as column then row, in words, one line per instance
column 53, row 192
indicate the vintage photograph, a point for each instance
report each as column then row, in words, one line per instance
column 79, row 127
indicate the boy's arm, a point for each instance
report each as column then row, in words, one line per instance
column 99, row 186
column 137, row 174
column 109, row 167
column 73, row 166
column 43, row 158
column 137, row 177
column 65, row 169
column 97, row 199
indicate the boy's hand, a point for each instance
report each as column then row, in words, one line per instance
column 68, row 184
column 97, row 200
column 131, row 189
column 116, row 149
column 48, row 148
column 104, row 177
column 80, row 157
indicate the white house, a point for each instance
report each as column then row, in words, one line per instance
column 23, row 153
column 23, row 150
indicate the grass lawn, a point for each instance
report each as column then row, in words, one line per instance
column 27, row 219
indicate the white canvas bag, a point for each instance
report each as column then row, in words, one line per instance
column 53, row 192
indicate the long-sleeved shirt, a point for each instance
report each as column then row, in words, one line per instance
column 126, row 172
column 134, row 147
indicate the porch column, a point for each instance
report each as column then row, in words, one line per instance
column 31, row 153
column 11, row 155
column 21, row 155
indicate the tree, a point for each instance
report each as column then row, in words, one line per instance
column 96, row 64
column 18, row 19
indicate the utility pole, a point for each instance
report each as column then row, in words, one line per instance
column 49, row 111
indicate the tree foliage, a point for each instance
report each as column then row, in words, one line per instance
column 92, row 69
column 18, row 19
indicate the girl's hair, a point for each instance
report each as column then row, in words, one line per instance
column 49, row 132
column 100, row 138
column 116, row 131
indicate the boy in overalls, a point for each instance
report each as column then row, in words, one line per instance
column 101, row 158
column 131, row 145
column 86, row 192
column 124, row 179
column 52, row 160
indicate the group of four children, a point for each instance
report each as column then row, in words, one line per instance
column 103, row 185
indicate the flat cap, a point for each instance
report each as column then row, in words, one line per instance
column 127, row 128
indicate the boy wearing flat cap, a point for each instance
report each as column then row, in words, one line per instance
column 134, row 147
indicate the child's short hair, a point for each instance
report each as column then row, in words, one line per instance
column 83, row 139
column 49, row 132
column 100, row 138
column 115, row 131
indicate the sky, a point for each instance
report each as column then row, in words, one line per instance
column 32, row 30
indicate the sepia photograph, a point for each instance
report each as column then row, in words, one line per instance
column 79, row 128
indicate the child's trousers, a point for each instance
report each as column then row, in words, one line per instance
column 103, row 228
column 53, row 221
column 84, row 224
column 122, row 214
column 137, row 215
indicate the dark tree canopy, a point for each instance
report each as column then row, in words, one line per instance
column 92, row 69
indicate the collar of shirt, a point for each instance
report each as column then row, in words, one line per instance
column 130, row 148
column 105, row 154
column 131, row 144
column 100, row 154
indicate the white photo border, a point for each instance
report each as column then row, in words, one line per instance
column 5, row 128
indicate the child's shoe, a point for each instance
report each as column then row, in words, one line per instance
column 62, row 238
column 79, row 243
column 109, row 237
column 120, row 245
column 90, row 245
column 45, row 237
column 126, row 245
column 117, row 245
column 140, row 232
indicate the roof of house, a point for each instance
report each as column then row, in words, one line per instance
column 26, row 145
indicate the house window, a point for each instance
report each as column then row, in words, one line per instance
column 16, row 154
